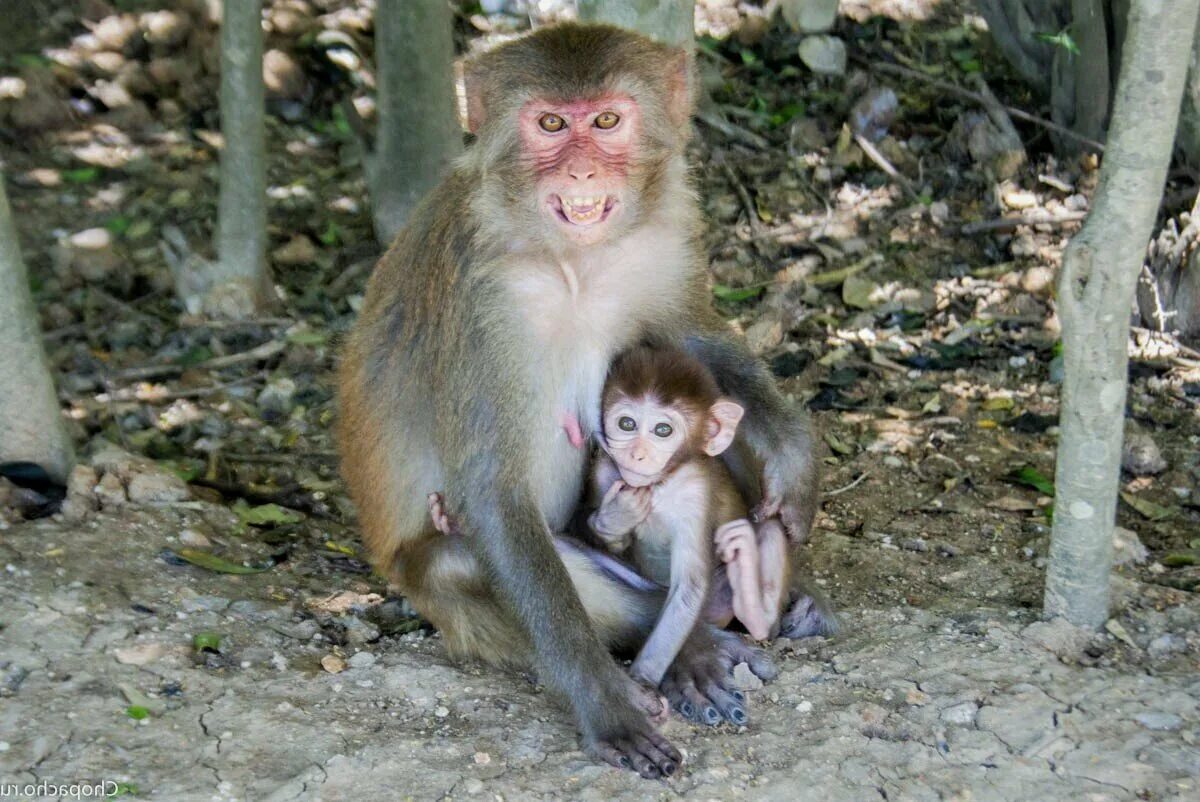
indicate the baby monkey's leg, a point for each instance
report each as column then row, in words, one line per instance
column 737, row 545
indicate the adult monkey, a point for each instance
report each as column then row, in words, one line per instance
column 565, row 234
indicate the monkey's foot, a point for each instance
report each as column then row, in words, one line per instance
column 625, row 735
column 699, row 683
column 807, row 617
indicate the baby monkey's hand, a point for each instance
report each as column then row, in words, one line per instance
column 622, row 509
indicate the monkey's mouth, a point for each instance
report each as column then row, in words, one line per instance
column 583, row 210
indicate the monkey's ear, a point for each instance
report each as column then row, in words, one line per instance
column 681, row 86
column 723, row 419
column 470, row 98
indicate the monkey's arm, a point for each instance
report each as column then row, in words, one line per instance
column 691, row 572
column 778, row 432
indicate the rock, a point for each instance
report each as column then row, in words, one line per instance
column 1016, row 198
column 873, row 113
column 106, row 62
column 997, row 150
column 1162, row 722
column 277, row 397
column 962, row 714
column 165, row 28
column 157, row 487
column 110, row 492
column 140, row 654
column 333, row 664
column 860, row 293
column 359, row 632
column 1165, row 646
column 1038, row 280
column 194, row 540
column 765, row 334
column 115, row 32
column 939, row 212
column 825, row 55
column 1128, row 549
column 744, row 679
column 89, row 254
column 809, row 16
column 362, row 660
column 1140, row 455
column 111, row 94
column 299, row 250
column 81, row 496
column 283, row 77
column 1058, row 636
column 914, row 544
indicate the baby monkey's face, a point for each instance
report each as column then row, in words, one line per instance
column 641, row 435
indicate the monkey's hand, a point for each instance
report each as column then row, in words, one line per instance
column 699, row 683
column 737, row 545
column 621, row 510
column 789, row 482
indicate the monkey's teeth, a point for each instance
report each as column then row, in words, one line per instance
column 583, row 209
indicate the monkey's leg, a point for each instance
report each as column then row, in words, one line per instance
column 737, row 544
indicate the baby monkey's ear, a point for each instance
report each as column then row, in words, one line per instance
column 723, row 419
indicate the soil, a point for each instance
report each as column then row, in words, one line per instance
column 926, row 350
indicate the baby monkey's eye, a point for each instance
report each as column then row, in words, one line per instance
column 627, row 423
column 607, row 119
column 552, row 123
column 663, row 430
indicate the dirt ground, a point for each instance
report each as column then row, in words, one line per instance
column 915, row 318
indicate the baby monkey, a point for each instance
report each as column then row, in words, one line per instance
column 664, row 499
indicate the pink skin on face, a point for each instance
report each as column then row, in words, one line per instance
column 581, row 168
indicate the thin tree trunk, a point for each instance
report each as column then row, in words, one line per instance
column 31, row 424
column 240, row 281
column 669, row 21
column 418, row 133
column 1096, row 287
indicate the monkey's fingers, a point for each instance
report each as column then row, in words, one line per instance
column 767, row 508
column 739, row 651
column 690, row 703
column 728, row 702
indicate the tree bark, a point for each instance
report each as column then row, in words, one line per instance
column 418, row 134
column 240, row 282
column 31, row 424
column 1096, row 287
column 671, row 22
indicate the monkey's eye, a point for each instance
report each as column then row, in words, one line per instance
column 552, row 122
column 607, row 120
column 627, row 423
column 663, row 430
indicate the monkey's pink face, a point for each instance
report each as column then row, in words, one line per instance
column 580, row 151
column 641, row 435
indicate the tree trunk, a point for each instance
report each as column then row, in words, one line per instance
column 418, row 133
column 31, row 424
column 671, row 21
column 240, row 281
column 1189, row 115
column 1096, row 286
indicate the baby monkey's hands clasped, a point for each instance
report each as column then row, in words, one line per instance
column 621, row 510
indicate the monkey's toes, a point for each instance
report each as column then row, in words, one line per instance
column 649, row 754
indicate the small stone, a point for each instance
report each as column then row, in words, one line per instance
column 963, row 713
column 915, row 697
column 362, row 660
column 914, row 544
column 744, row 679
column 90, row 254
column 158, row 487
column 473, row 785
column 359, row 632
column 110, row 492
column 115, row 32
column 277, row 397
column 1128, row 548
column 164, row 28
column 194, row 540
column 283, row 77
column 1165, row 646
column 1038, row 280
column 333, row 664
column 825, row 55
column 809, row 16
column 140, row 654
column 804, row 707
column 1019, row 199
column 441, row 711
column 1058, row 636
column 1163, row 722
column 299, row 250
column 873, row 113
column 1141, row 456
column 482, row 758
column 765, row 334
column 939, row 212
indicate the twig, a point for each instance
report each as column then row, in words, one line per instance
column 850, row 486
column 731, row 130
column 1009, row 223
column 832, row 278
column 967, row 94
column 259, row 353
column 743, row 195
column 882, row 163
column 280, row 459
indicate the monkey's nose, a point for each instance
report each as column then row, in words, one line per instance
column 581, row 172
